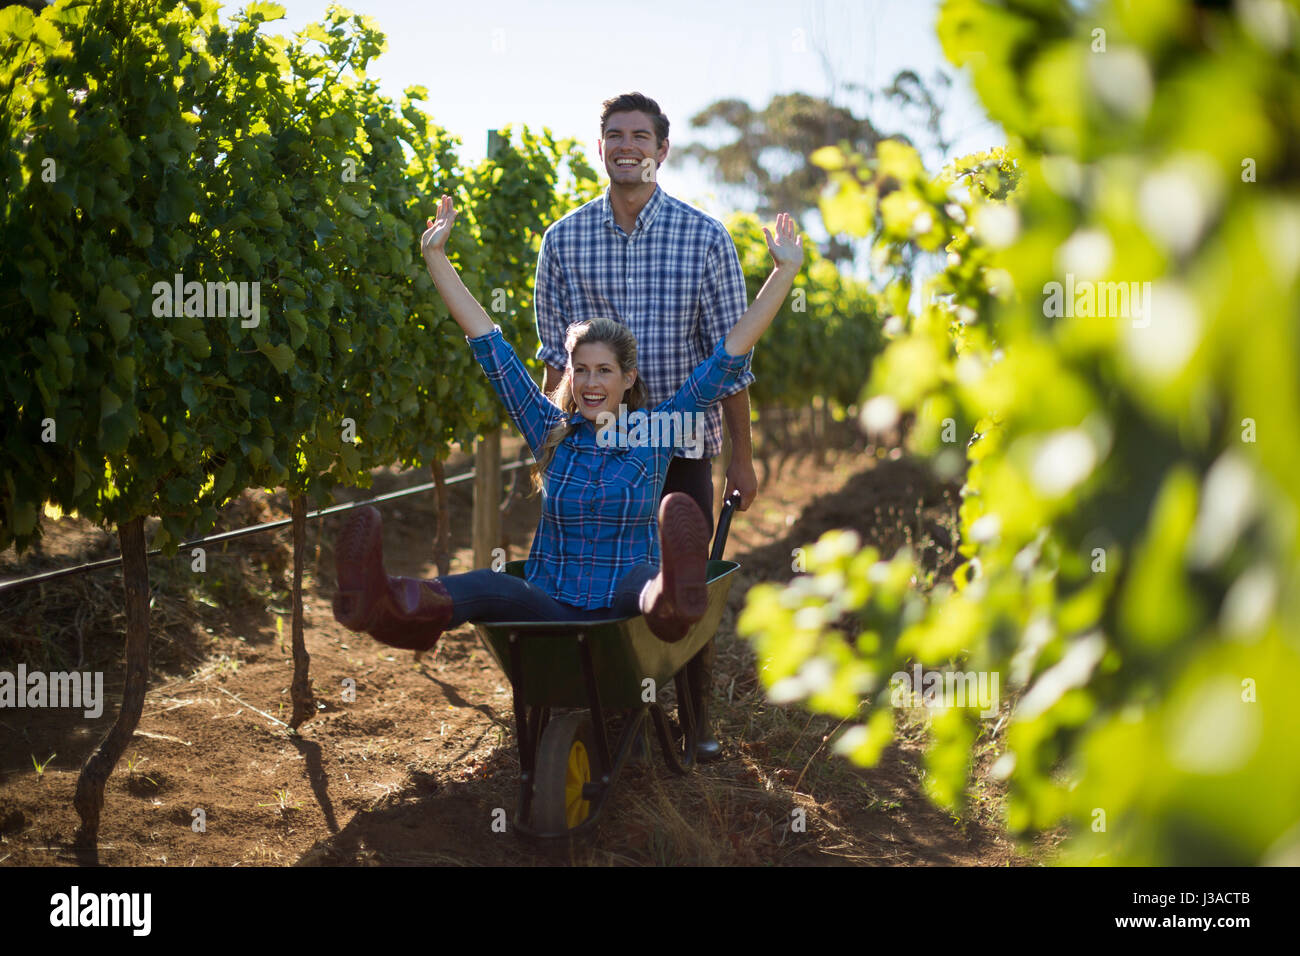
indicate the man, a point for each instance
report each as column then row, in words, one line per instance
column 670, row 273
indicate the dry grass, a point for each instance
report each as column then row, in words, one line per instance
column 78, row 622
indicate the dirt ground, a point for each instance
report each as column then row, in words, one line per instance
column 412, row 771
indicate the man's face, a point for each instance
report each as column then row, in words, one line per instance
column 629, row 149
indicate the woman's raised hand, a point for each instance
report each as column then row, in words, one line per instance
column 787, row 249
column 462, row 305
column 435, row 237
column 787, row 246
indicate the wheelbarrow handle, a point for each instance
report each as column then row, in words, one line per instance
column 724, row 525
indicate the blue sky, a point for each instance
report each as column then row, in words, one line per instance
column 490, row 63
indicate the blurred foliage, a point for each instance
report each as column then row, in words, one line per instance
column 1113, row 351
column 147, row 140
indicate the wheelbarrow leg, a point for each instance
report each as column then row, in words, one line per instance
column 593, row 699
column 678, row 762
column 528, row 727
column 686, row 709
column 679, row 757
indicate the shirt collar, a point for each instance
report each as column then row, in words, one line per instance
column 644, row 218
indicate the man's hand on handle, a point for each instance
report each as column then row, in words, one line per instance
column 742, row 477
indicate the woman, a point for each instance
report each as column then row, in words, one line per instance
column 595, row 554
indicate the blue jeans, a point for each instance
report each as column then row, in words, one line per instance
column 487, row 596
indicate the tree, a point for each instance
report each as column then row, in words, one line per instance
column 767, row 152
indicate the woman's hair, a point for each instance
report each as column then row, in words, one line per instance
column 623, row 344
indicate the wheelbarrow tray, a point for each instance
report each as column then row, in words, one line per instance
column 624, row 652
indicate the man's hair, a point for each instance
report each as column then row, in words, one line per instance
column 635, row 102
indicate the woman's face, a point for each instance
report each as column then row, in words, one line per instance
column 598, row 382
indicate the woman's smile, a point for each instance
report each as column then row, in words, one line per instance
column 599, row 384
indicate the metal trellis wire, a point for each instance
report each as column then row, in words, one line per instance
column 7, row 586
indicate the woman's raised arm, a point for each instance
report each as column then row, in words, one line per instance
column 715, row 377
column 787, row 253
column 529, row 409
column 464, row 308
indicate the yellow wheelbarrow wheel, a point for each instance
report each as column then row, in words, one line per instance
column 563, row 767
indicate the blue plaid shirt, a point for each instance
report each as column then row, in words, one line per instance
column 599, row 504
column 675, row 282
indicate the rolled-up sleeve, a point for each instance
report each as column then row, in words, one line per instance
column 531, row 411
column 550, row 298
column 722, row 302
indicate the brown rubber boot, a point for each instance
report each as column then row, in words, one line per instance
column 678, row 595
column 400, row 612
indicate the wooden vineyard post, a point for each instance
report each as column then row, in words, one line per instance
column 442, row 537
column 487, row 460
column 786, row 442
column 304, row 706
column 519, row 482
column 818, row 429
column 89, row 797
column 487, row 497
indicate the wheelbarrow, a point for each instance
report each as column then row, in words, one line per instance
column 568, row 765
